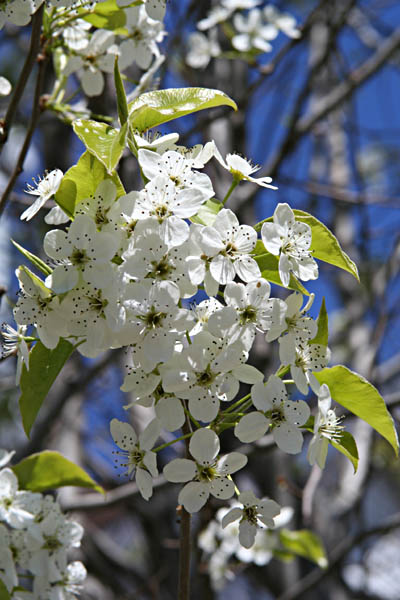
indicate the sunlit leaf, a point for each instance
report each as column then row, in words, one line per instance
column 153, row 108
column 48, row 470
column 208, row 212
column 103, row 141
column 304, row 543
column 322, row 322
column 81, row 181
column 35, row 260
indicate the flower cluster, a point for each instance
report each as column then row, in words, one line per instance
column 253, row 30
column 127, row 272
column 35, row 538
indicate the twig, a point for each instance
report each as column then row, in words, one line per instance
column 298, row 590
column 36, row 110
column 25, row 73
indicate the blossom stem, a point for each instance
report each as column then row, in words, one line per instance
column 187, row 412
column 182, row 437
column 236, row 404
column 229, row 192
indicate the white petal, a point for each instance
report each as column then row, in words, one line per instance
column 204, row 408
column 145, row 483
column 233, row 515
column 251, row 427
column 170, row 412
column 247, row 533
column 288, row 438
column 123, row 434
column 296, row 412
column 247, row 268
column 180, row 470
column 232, row 462
column 222, row 488
column 222, row 269
column 248, row 374
column 204, row 446
column 149, row 435
column 193, row 496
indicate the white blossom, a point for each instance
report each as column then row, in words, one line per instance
column 275, row 412
column 140, row 44
column 207, row 474
column 295, row 323
column 255, row 513
column 326, row 428
column 303, row 359
column 45, row 188
column 253, row 32
column 18, row 12
column 5, row 86
column 202, row 49
column 240, row 168
column 13, row 342
column 137, row 451
column 282, row 21
column 290, row 240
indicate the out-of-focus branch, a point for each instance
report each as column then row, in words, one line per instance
column 298, row 590
column 36, row 110
column 24, row 76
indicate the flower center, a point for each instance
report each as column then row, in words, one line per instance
column 79, row 257
column 206, row 377
column 51, row 543
column 250, row 514
column 248, row 315
column 161, row 269
column 206, row 473
column 153, row 319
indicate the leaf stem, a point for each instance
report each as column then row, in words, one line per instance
column 182, row 437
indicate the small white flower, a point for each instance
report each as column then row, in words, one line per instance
column 277, row 412
column 13, row 342
column 156, row 9
column 240, row 168
column 253, row 32
column 202, row 49
column 137, row 452
column 45, row 189
column 5, row 86
column 255, row 513
column 12, row 510
column 282, row 21
column 18, row 12
column 295, row 322
column 206, row 474
column 303, row 360
column 290, row 240
column 8, row 572
column 140, row 44
column 326, row 427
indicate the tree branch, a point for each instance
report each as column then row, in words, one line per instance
column 24, row 76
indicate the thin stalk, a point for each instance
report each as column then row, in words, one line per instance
column 182, row 437
column 24, row 76
column 229, row 192
column 36, row 110
column 185, row 546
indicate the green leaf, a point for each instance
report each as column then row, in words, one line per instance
column 103, row 141
column 325, row 245
column 35, row 280
column 361, row 398
column 48, row 470
column 44, row 366
column 304, row 543
column 107, row 15
column 348, row 447
column 4, row 595
column 153, row 108
column 81, row 181
column 121, row 96
column 322, row 333
column 35, row 260
column 268, row 264
column 207, row 213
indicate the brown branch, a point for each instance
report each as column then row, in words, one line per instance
column 298, row 590
column 24, row 76
column 36, row 110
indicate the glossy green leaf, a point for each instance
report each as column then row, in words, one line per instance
column 268, row 264
column 44, row 366
column 346, row 445
column 153, row 108
column 122, row 104
column 107, row 15
column 208, row 212
column 103, row 141
column 325, row 245
column 361, row 398
column 80, row 182
column 36, row 281
column 4, row 594
column 322, row 333
column 304, row 543
column 48, row 470
column 35, row 260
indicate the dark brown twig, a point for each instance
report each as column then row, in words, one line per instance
column 24, row 76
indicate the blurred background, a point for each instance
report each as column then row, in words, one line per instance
column 319, row 113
